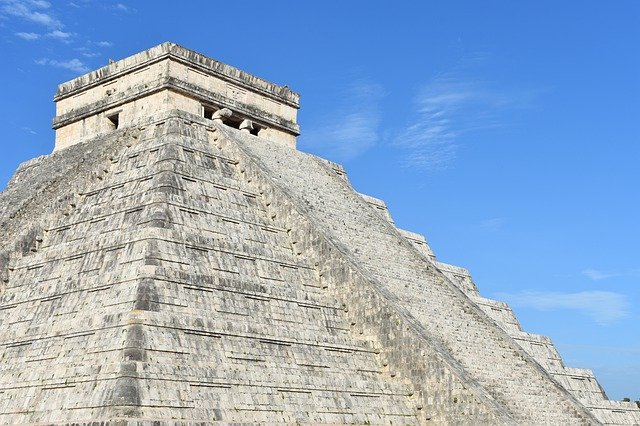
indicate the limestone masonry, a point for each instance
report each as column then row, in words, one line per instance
column 177, row 261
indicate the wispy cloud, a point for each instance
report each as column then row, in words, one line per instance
column 40, row 3
column 31, row 10
column 632, row 350
column 42, row 12
column 603, row 307
column 28, row 36
column 29, row 130
column 599, row 275
column 55, row 34
column 353, row 125
column 103, row 43
column 74, row 65
column 451, row 105
column 41, row 19
column 60, row 35
column 88, row 52
column 445, row 109
column 596, row 275
column 492, row 224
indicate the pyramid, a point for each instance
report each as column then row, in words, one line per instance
column 176, row 260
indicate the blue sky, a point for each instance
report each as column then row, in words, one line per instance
column 506, row 132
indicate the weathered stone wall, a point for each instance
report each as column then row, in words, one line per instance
column 170, row 288
column 163, row 78
column 60, row 322
column 46, row 185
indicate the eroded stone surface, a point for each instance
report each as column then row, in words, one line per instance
column 128, row 92
column 177, row 270
column 171, row 290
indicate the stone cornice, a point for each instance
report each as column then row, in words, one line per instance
column 180, row 86
column 189, row 57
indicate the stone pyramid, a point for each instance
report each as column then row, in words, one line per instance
column 177, row 261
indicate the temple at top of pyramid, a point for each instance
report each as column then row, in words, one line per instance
column 175, row 261
column 168, row 76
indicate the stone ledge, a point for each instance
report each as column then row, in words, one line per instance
column 179, row 86
column 179, row 53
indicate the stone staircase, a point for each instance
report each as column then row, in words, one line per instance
column 581, row 383
column 485, row 352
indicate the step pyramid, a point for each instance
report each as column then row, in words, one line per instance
column 177, row 261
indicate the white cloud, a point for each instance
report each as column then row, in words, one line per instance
column 603, row 307
column 75, row 65
column 41, row 4
column 28, row 36
column 353, row 126
column 595, row 275
column 60, row 35
column 121, row 7
column 91, row 49
column 27, row 10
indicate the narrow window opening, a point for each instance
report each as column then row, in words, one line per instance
column 207, row 112
column 233, row 122
column 114, row 119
